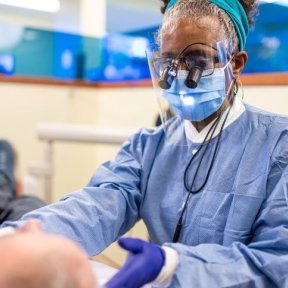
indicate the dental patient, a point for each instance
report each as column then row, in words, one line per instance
column 34, row 259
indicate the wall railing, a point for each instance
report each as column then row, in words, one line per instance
column 53, row 132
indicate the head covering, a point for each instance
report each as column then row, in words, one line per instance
column 171, row 4
column 237, row 14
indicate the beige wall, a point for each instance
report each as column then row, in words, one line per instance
column 271, row 98
column 24, row 106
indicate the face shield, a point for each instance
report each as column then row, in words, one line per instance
column 191, row 85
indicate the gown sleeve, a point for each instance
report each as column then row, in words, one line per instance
column 106, row 208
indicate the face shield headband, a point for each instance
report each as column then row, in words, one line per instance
column 237, row 14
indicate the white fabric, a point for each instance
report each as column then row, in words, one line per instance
column 103, row 273
column 171, row 261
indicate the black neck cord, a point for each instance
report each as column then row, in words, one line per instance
column 189, row 190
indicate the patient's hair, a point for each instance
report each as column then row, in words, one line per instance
column 40, row 260
column 48, row 272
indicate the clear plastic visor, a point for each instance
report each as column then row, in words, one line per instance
column 190, row 86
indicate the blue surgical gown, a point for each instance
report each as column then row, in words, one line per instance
column 235, row 231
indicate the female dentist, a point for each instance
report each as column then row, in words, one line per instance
column 208, row 183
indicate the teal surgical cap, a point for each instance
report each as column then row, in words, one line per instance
column 237, row 14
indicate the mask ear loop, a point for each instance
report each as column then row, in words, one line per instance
column 236, row 88
column 230, row 95
column 240, row 88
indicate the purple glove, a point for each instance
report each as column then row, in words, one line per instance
column 142, row 266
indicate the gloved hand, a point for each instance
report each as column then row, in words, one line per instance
column 142, row 266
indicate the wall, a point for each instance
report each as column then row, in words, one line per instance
column 24, row 106
column 271, row 98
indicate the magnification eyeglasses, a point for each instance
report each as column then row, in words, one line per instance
column 198, row 58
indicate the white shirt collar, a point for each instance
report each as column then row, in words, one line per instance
column 198, row 137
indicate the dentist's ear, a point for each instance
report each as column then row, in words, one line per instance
column 238, row 63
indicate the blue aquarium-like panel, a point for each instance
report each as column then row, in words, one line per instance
column 40, row 53
column 122, row 58
column 33, row 52
column 267, row 43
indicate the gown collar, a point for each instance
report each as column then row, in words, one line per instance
column 198, row 137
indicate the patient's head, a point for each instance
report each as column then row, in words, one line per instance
column 31, row 259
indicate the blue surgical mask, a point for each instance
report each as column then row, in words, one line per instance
column 199, row 103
